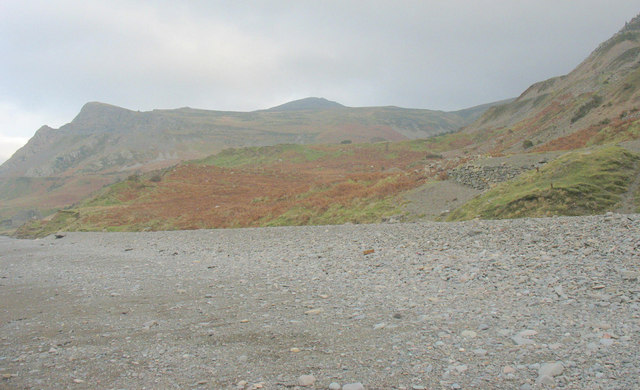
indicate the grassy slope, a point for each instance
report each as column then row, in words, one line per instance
column 259, row 186
column 582, row 182
column 594, row 104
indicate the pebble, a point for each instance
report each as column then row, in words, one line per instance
column 468, row 334
column 334, row 386
column 548, row 371
column 353, row 386
column 306, row 380
column 522, row 338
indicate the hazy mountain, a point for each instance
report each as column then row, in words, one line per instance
column 311, row 103
column 105, row 143
column 106, row 138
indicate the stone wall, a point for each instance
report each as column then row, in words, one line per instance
column 482, row 177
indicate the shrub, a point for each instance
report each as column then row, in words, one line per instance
column 527, row 143
column 585, row 108
column 345, row 142
column 155, row 178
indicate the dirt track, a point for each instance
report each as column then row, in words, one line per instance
column 459, row 305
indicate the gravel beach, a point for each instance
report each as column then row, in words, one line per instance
column 514, row 304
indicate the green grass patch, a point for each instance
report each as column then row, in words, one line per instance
column 359, row 211
column 583, row 182
column 264, row 155
column 37, row 229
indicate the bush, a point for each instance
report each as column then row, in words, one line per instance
column 345, row 142
column 585, row 108
column 155, row 178
column 527, row 143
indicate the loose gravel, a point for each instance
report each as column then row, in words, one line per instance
column 516, row 304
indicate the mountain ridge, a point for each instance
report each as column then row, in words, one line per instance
column 310, row 103
column 574, row 109
column 105, row 143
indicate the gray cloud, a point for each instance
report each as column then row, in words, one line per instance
column 251, row 55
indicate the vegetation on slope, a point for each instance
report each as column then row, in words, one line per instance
column 582, row 182
column 260, row 186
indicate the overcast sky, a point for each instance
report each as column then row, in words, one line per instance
column 248, row 55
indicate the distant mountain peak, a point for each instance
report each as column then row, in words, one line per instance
column 310, row 103
column 96, row 114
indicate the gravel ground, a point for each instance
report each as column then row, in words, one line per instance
column 437, row 198
column 519, row 304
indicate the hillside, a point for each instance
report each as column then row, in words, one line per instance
column 105, row 143
column 339, row 179
column 260, row 186
column 596, row 103
column 105, row 138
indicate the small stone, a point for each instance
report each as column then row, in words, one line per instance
column 379, row 325
column 78, row 380
column 418, row 387
column 522, row 338
column 313, row 311
column 508, row 370
column 368, row 252
column 241, row 384
column 353, row 386
column 551, row 369
column 480, row 352
column 456, row 386
column 334, row 386
column 469, row 334
column 461, row 368
column 306, row 380
column 606, row 341
column 294, row 350
column 150, row 324
column 244, row 321
column 546, row 380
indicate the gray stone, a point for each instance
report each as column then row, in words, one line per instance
column 306, row 380
column 353, row 386
column 551, row 369
column 469, row 334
